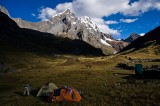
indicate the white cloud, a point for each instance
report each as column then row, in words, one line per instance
column 128, row 20
column 96, row 8
column 33, row 14
column 104, row 27
column 64, row 6
column 142, row 34
column 140, row 7
column 111, row 22
column 157, row 6
column 102, row 8
column 46, row 13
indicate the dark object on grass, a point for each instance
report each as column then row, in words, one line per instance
column 139, row 70
column 152, row 72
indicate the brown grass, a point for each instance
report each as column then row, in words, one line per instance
column 101, row 84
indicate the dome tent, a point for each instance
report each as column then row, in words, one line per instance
column 65, row 94
column 47, row 89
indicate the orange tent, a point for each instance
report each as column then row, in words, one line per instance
column 65, row 94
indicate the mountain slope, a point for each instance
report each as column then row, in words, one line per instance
column 66, row 24
column 149, row 40
column 38, row 42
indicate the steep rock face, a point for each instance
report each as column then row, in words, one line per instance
column 66, row 24
column 132, row 37
column 118, row 45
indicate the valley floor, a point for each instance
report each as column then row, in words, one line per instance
column 97, row 78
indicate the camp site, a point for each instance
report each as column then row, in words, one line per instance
column 79, row 52
column 103, row 83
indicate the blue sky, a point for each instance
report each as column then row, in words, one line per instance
column 117, row 17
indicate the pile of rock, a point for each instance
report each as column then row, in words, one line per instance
column 152, row 72
column 143, row 60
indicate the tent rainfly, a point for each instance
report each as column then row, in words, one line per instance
column 46, row 89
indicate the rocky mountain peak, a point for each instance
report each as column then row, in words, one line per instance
column 87, row 21
column 132, row 37
column 67, row 17
column 68, row 11
column 4, row 10
column 66, row 24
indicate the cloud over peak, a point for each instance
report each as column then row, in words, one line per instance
column 97, row 9
column 46, row 13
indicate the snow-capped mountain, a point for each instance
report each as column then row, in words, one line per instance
column 66, row 24
column 86, row 21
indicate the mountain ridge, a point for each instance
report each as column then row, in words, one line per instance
column 66, row 24
column 151, row 38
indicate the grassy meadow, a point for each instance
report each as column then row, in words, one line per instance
column 99, row 80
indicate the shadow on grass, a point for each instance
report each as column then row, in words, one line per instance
column 19, row 93
column 34, row 92
column 124, row 66
column 43, row 98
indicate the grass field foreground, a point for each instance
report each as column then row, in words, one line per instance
column 98, row 79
